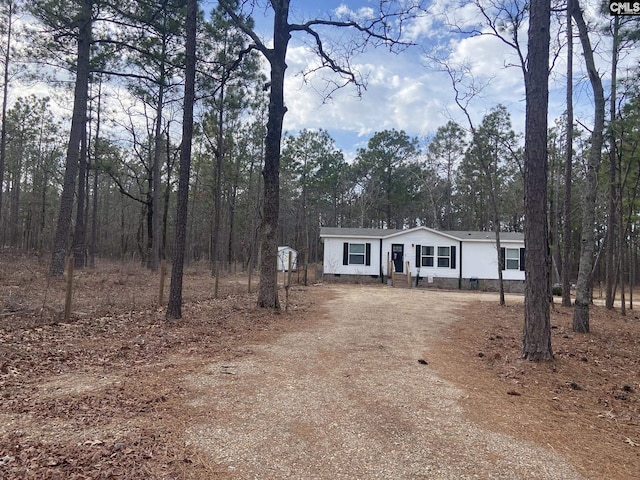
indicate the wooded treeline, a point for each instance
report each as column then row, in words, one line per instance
column 126, row 181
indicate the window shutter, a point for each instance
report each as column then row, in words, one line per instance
column 503, row 254
column 522, row 259
column 345, row 253
column 367, row 254
column 453, row 256
column 418, row 250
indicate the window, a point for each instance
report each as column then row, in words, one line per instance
column 512, row 259
column 426, row 256
column 356, row 253
column 444, row 257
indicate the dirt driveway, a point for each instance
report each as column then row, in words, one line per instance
column 351, row 397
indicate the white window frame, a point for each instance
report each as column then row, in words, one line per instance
column 354, row 255
column 425, row 256
column 442, row 258
column 513, row 262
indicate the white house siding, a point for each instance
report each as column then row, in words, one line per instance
column 481, row 260
column 423, row 237
column 475, row 257
column 334, row 252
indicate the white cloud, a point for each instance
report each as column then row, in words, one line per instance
column 347, row 13
column 400, row 94
column 404, row 93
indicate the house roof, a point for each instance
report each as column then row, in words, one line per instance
column 357, row 232
column 384, row 232
column 473, row 235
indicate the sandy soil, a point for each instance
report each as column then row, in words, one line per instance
column 356, row 396
column 350, row 382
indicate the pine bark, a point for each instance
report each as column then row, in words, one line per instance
column 174, row 307
column 79, row 244
column 612, row 224
column 154, row 260
column 78, row 121
column 537, row 324
column 5, row 96
column 568, row 167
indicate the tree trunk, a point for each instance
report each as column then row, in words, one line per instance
column 583, row 288
column 14, row 203
column 231, row 251
column 215, row 238
column 174, row 307
column 78, row 121
column 621, row 264
column 94, row 209
column 78, row 245
column 167, row 197
column 612, row 243
column 536, row 343
column 568, row 167
column 155, row 199
column 5, row 95
column 268, row 293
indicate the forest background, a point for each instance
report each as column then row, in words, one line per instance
column 440, row 145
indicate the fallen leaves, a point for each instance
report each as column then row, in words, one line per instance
column 592, row 386
column 84, row 399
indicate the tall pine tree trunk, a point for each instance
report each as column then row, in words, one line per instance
column 215, row 237
column 536, row 344
column 78, row 245
column 78, row 121
column 568, row 167
column 174, row 308
column 612, row 225
column 155, row 184
column 93, row 247
column 5, row 96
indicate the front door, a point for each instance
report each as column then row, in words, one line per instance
column 397, row 254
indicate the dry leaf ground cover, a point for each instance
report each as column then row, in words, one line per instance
column 100, row 396
column 585, row 404
column 103, row 396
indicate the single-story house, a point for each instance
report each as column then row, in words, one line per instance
column 283, row 258
column 446, row 259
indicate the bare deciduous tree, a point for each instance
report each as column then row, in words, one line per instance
column 384, row 27
column 587, row 239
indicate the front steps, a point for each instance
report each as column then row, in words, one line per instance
column 401, row 280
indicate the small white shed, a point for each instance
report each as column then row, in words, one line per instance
column 283, row 258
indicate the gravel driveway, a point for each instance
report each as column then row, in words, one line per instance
column 348, row 398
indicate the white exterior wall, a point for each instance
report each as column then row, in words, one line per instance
column 333, row 251
column 422, row 236
column 481, row 260
column 479, row 257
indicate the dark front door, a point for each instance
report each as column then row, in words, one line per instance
column 397, row 254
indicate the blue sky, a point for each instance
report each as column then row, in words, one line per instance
column 407, row 93
column 404, row 91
